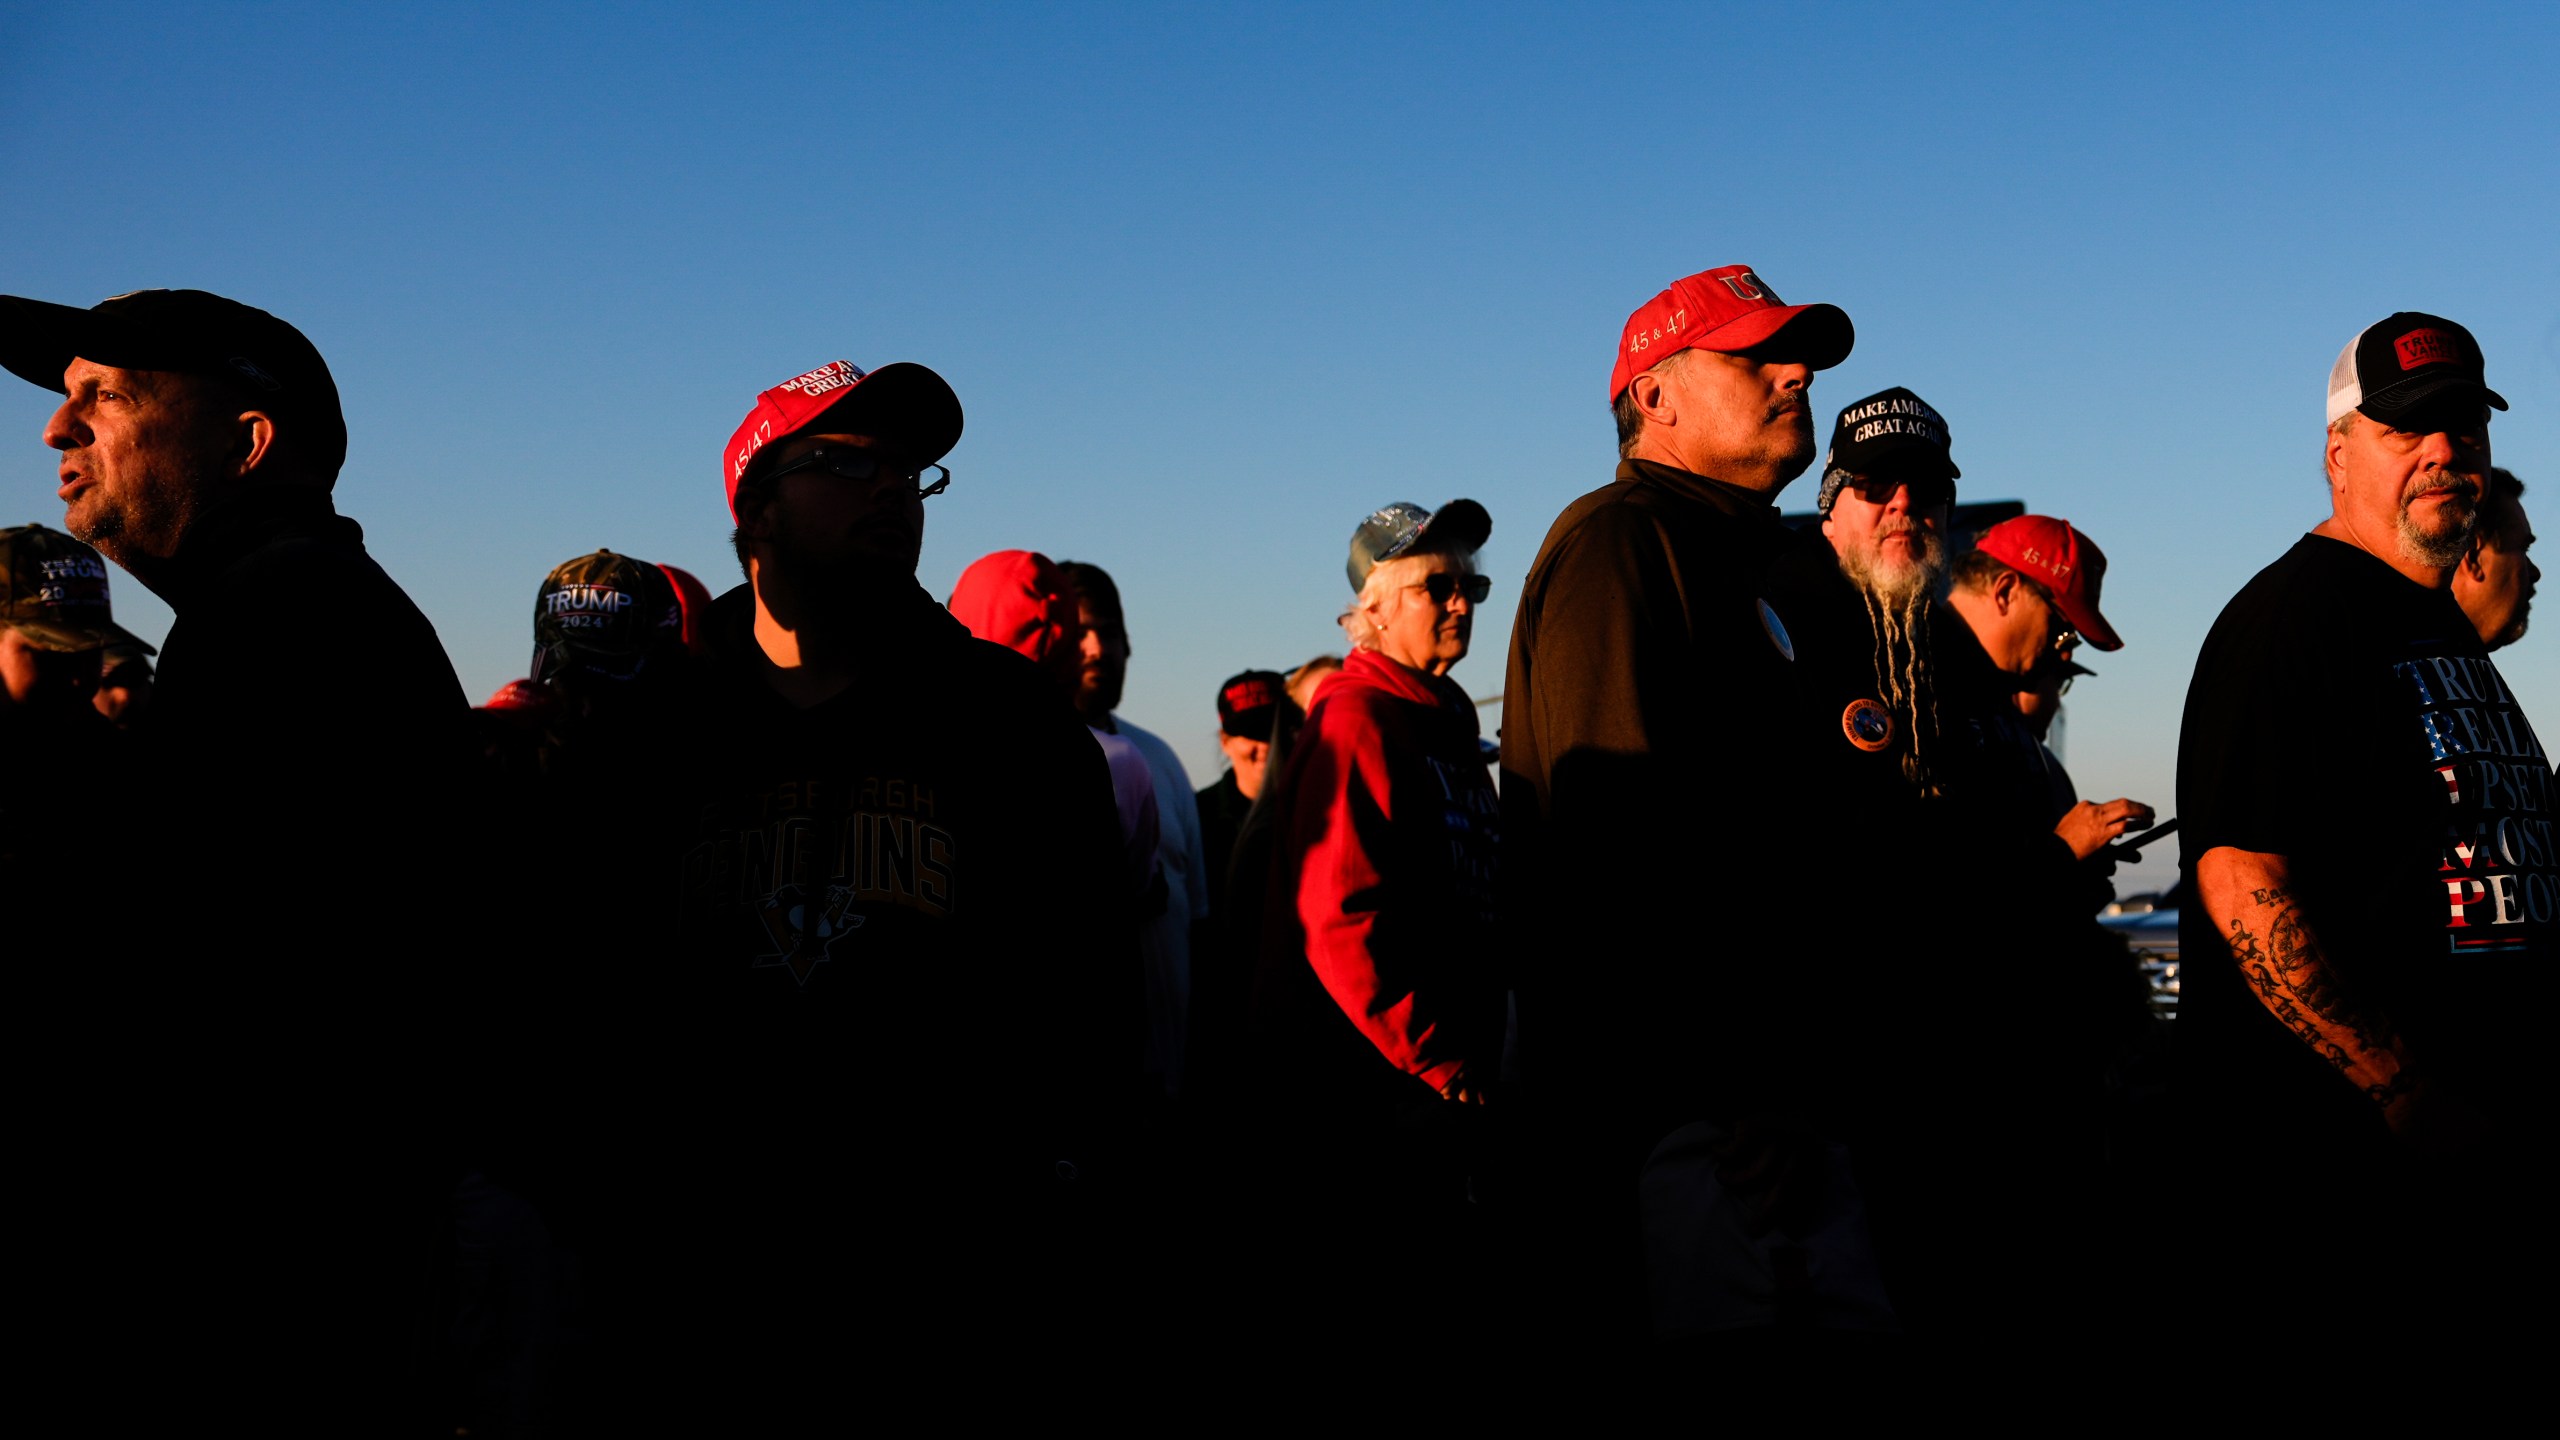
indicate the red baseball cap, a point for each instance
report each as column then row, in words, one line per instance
column 905, row 405
column 2064, row 561
column 1727, row 309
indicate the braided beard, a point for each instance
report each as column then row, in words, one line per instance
column 1900, row 600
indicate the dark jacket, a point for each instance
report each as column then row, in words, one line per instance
column 883, row 1003
column 268, row 1025
column 296, row 669
column 1653, row 871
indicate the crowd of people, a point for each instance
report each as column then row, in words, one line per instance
column 817, row 982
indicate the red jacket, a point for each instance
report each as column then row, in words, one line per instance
column 1386, row 873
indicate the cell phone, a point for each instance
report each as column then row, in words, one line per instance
column 2126, row 852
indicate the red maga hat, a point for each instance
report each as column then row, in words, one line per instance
column 907, row 406
column 1727, row 309
column 2064, row 561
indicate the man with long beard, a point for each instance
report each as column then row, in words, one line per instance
column 2368, row 832
column 1907, row 735
column 1858, row 609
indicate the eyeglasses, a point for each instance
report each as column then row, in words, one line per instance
column 862, row 467
column 1443, row 586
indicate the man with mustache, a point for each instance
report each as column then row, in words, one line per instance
column 1912, row 735
column 2376, row 912
column 1645, row 827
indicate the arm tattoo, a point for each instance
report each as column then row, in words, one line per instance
column 2293, row 980
column 2306, row 971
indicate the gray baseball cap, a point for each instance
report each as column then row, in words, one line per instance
column 1459, row 526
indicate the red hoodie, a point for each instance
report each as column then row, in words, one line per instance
column 1020, row 600
column 1391, row 834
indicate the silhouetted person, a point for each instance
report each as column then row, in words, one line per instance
column 276, row 1070
column 1641, row 815
column 864, row 1063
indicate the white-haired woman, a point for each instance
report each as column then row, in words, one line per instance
column 1379, row 1005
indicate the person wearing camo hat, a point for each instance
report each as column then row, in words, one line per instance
column 55, row 619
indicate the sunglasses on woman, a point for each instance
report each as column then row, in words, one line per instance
column 1441, row 587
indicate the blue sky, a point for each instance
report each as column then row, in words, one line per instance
column 1214, row 281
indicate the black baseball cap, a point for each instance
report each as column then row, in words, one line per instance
column 1247, row 701
column 2398, row 364
column 191, row 332
column 1891, row 429
column 1459, row 527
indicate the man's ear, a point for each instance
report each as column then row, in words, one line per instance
column 2471, row 558
column 1645, row 392
column 2004, row 590
column 253, row 443
column 1826, row 526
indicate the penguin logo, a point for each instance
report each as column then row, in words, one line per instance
column 1776, row 630
column 1868, row 725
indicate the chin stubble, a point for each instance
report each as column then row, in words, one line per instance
column 2443, row 550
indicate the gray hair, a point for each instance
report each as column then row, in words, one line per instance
column 1623, row 409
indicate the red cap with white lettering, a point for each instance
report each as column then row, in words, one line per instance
column 1728, row 309
column 907, row 407
column 2061, row 559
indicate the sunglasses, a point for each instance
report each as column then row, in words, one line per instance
column 1926, row 492
column 1442, row 587
column 862, row 467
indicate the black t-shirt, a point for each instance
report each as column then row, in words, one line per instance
column 2349, row 719
column 1222, row 810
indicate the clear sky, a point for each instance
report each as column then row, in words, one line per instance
column 1213, row 281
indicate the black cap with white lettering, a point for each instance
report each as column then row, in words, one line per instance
column 1890, row 432
column 605, row 614
column 53, row 591
column 2399, row 364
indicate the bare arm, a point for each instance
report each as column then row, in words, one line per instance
column 2250, row 898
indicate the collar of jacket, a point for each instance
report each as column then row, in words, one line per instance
column 899, row 618
column 1731, row 499
column 1965, row 672
column 1376, row 671
column 245, row 523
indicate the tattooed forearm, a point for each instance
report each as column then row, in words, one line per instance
column 2279, row 956
column 2296, row 957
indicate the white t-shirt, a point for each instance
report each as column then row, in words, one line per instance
column 1165, row 941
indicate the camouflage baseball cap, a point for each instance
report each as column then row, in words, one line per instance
column 53, row 590
column 604, row 613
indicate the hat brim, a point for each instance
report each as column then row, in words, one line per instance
column 903, row 404
column 2093, row 627
column 2397, row 400
column 1254, row 724
column 1461, row 526
column 39, row 339
column 45, row 635
column 1899, row 447
column 1819, row 335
